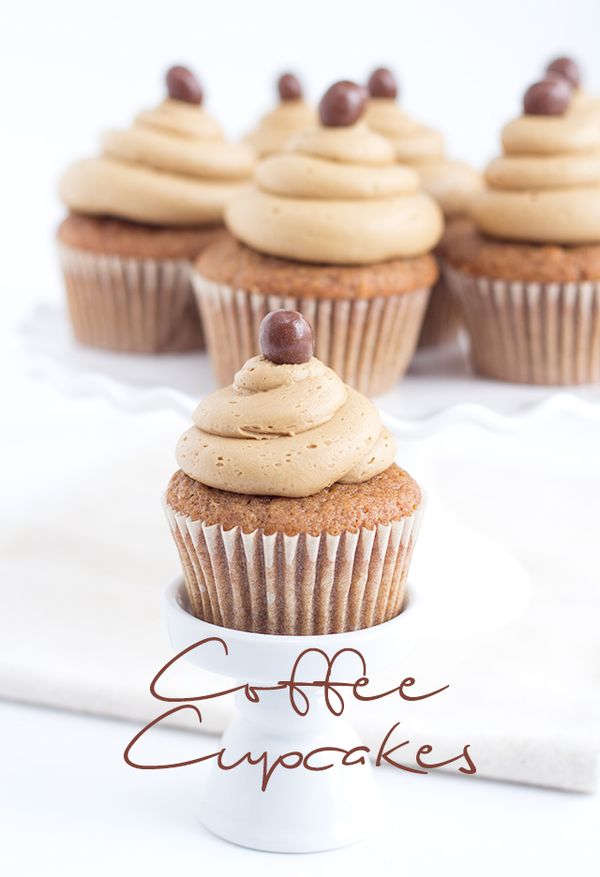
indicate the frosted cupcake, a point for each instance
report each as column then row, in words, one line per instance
column 452, row 183
column 290, row 116
column 527, row 270
column 288, row 510
column 140, row 212
column 335, row 228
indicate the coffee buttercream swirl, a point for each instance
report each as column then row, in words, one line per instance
column 411, row 140
column 336, row 196
column 452, row 183
column 546, row 186
column 285, row 430
column 172, row 167
column 277, row 127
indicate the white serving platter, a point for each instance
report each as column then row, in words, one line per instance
column 439, row 390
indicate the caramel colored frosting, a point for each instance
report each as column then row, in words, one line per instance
column 335, row 196
column 584, row 102
column 452, row 183
column 546, row 186
column 285, row 430
column 411, row 140
column 277, row 127
column 172, row 167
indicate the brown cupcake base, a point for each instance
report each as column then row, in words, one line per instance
column 443, row 318
column 532, row 311
column 470, row 252
column 532, row 333
column 269, row 580
column 366, row 320
column 388, row 496
column 128, row 287
column 119, row 237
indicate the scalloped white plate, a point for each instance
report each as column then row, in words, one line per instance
column 439, row 390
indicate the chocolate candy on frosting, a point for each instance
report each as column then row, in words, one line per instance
column 285, row 337
column 382, row 83
column 567, row 68
column 289, row 88
column 342, row 104
column 182, row 85
column 550, row 97
column 552, row 74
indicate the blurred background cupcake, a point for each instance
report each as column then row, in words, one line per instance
column 292, row 114
column 335, row 228
column 452, row 183
column 139, row 214
column 527, row 271
column 288, row 510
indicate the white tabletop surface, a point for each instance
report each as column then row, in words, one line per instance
column 70, row 805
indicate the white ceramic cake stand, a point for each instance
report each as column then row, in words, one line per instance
column 301, row 811
column 438, row 391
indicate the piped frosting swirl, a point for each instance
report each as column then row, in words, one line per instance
column 336, row 196
column 411, row 140
column 546, row 186
column 276, row 128
column 284, row 430
column 452, row 183
column 172, row 167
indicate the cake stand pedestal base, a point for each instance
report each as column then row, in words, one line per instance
column 287, row 799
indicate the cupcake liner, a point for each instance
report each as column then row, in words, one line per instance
column 443, row 318
column 297, row 585
column 368, row 342
column 533, row 333
column 130, row 304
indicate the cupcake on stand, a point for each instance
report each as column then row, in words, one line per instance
column 288, row 509
column 295, row 528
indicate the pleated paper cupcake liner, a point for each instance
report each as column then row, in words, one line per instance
column 129, row 304
column 368, row 342
column 443, row 319
column 533, row 333
column 297, row 585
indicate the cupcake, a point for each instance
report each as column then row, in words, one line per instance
column 527, row 270
column 452, row 183
column 288, row 511
column 335, row 228
column 139, row 214
column 290, row 116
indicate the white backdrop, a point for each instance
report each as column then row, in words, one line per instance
column 70, row 68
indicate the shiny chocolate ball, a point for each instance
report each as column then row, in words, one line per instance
column 286, row 337
column 289, row 88
column 342, row 104
column 182, row 85
column 382, row 83
column 550, row 97
column 567, row 68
